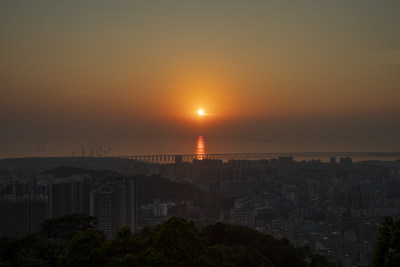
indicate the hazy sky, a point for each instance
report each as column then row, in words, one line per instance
column 273, row 76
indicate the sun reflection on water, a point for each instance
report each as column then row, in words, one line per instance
column 201, row 148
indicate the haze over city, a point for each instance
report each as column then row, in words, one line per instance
column 270, row 76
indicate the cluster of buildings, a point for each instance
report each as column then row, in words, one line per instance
column 158, row 211
column 333, row 207
column 25, row 204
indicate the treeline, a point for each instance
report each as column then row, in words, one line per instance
column 74, row 241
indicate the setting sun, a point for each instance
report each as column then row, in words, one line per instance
column 200, row 112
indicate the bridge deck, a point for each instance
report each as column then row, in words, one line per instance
column 255, row 156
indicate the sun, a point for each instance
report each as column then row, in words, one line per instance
column 200, row 112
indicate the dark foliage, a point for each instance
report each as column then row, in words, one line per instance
column 83, row 249
column 279, row 252
column 244, row 256
column 176, row 242
column 68, row 226
column 320, row 261
column 387, row 248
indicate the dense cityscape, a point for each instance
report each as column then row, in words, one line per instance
column 334, row 208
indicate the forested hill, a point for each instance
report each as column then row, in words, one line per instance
column 67, row 171
column 148, row 187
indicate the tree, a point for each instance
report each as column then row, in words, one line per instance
column 30, row 258
column 7, row 250
column 35, row 250
column 83, row 249
column 244, row 256
column 176, row 242
column 387, row 248
column 68, row 226
column 122, row 249
column 180, row 242
column 278, row 252
column 320, row 261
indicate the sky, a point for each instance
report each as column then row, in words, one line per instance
column 272, row 76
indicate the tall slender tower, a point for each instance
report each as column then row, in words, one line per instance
column 131, row 204
column 114, row 204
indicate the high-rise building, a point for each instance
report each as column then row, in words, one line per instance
column 101, row 200
column 21, row 214
column 346, row 160
column 24, row 206
column 66, row 195
column 114, row 204
column 131, row 204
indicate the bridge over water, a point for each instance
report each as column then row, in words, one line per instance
column 298, row 156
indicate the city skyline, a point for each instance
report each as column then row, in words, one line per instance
column 270, row 76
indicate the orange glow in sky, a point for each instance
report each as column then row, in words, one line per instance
column 240, row 76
